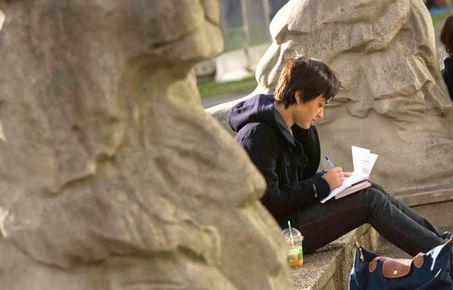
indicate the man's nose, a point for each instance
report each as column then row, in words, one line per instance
column 321, row 113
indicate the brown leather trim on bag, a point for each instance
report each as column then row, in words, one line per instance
column 419, row 260
column 396, row 268
column 450, row 241
column 373, row 264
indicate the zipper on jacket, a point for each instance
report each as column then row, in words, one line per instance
column 315, row 190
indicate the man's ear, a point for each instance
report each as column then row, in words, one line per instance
column 298, row 95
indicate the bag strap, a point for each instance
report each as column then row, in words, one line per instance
column 396, row 268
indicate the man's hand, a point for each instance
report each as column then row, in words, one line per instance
column 335, row 177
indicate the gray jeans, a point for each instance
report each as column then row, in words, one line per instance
column 321, row 224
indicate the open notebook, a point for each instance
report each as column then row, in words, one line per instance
column 363, row 161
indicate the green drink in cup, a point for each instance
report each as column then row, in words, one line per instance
column 294, row 239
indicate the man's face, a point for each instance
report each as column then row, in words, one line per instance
column 306, row 114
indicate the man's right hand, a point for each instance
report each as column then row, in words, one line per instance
column 335, row 177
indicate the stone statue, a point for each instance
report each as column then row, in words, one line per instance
column 112, row 175
column 394, row 101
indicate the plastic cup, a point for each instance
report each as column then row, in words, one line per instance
column 295, row 252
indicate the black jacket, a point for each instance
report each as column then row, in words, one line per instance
column 287, row 162
column 447, row 73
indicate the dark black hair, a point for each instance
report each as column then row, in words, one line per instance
column 446, row 35
column 309, row 76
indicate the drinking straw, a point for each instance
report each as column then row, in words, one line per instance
column 291, row 233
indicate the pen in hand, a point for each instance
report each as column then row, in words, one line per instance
column 334, row 176
column 329, row 162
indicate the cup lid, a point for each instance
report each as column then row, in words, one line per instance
column 297, row 235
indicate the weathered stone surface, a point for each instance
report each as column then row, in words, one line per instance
column 394, row 100
column 112, row 175
column 2, row 19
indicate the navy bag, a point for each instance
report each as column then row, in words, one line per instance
column 432, row 270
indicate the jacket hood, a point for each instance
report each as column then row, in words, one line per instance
column 448, row 61
column 257, row 109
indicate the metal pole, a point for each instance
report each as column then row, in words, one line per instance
column 267, row 15
column 246, row 32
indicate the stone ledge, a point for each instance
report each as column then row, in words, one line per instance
column 220, row 111
column 426, row 196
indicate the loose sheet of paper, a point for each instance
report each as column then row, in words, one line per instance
column 363, row 161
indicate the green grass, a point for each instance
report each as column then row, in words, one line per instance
column 440, row 17
column 208, row 89
column 234, row 39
